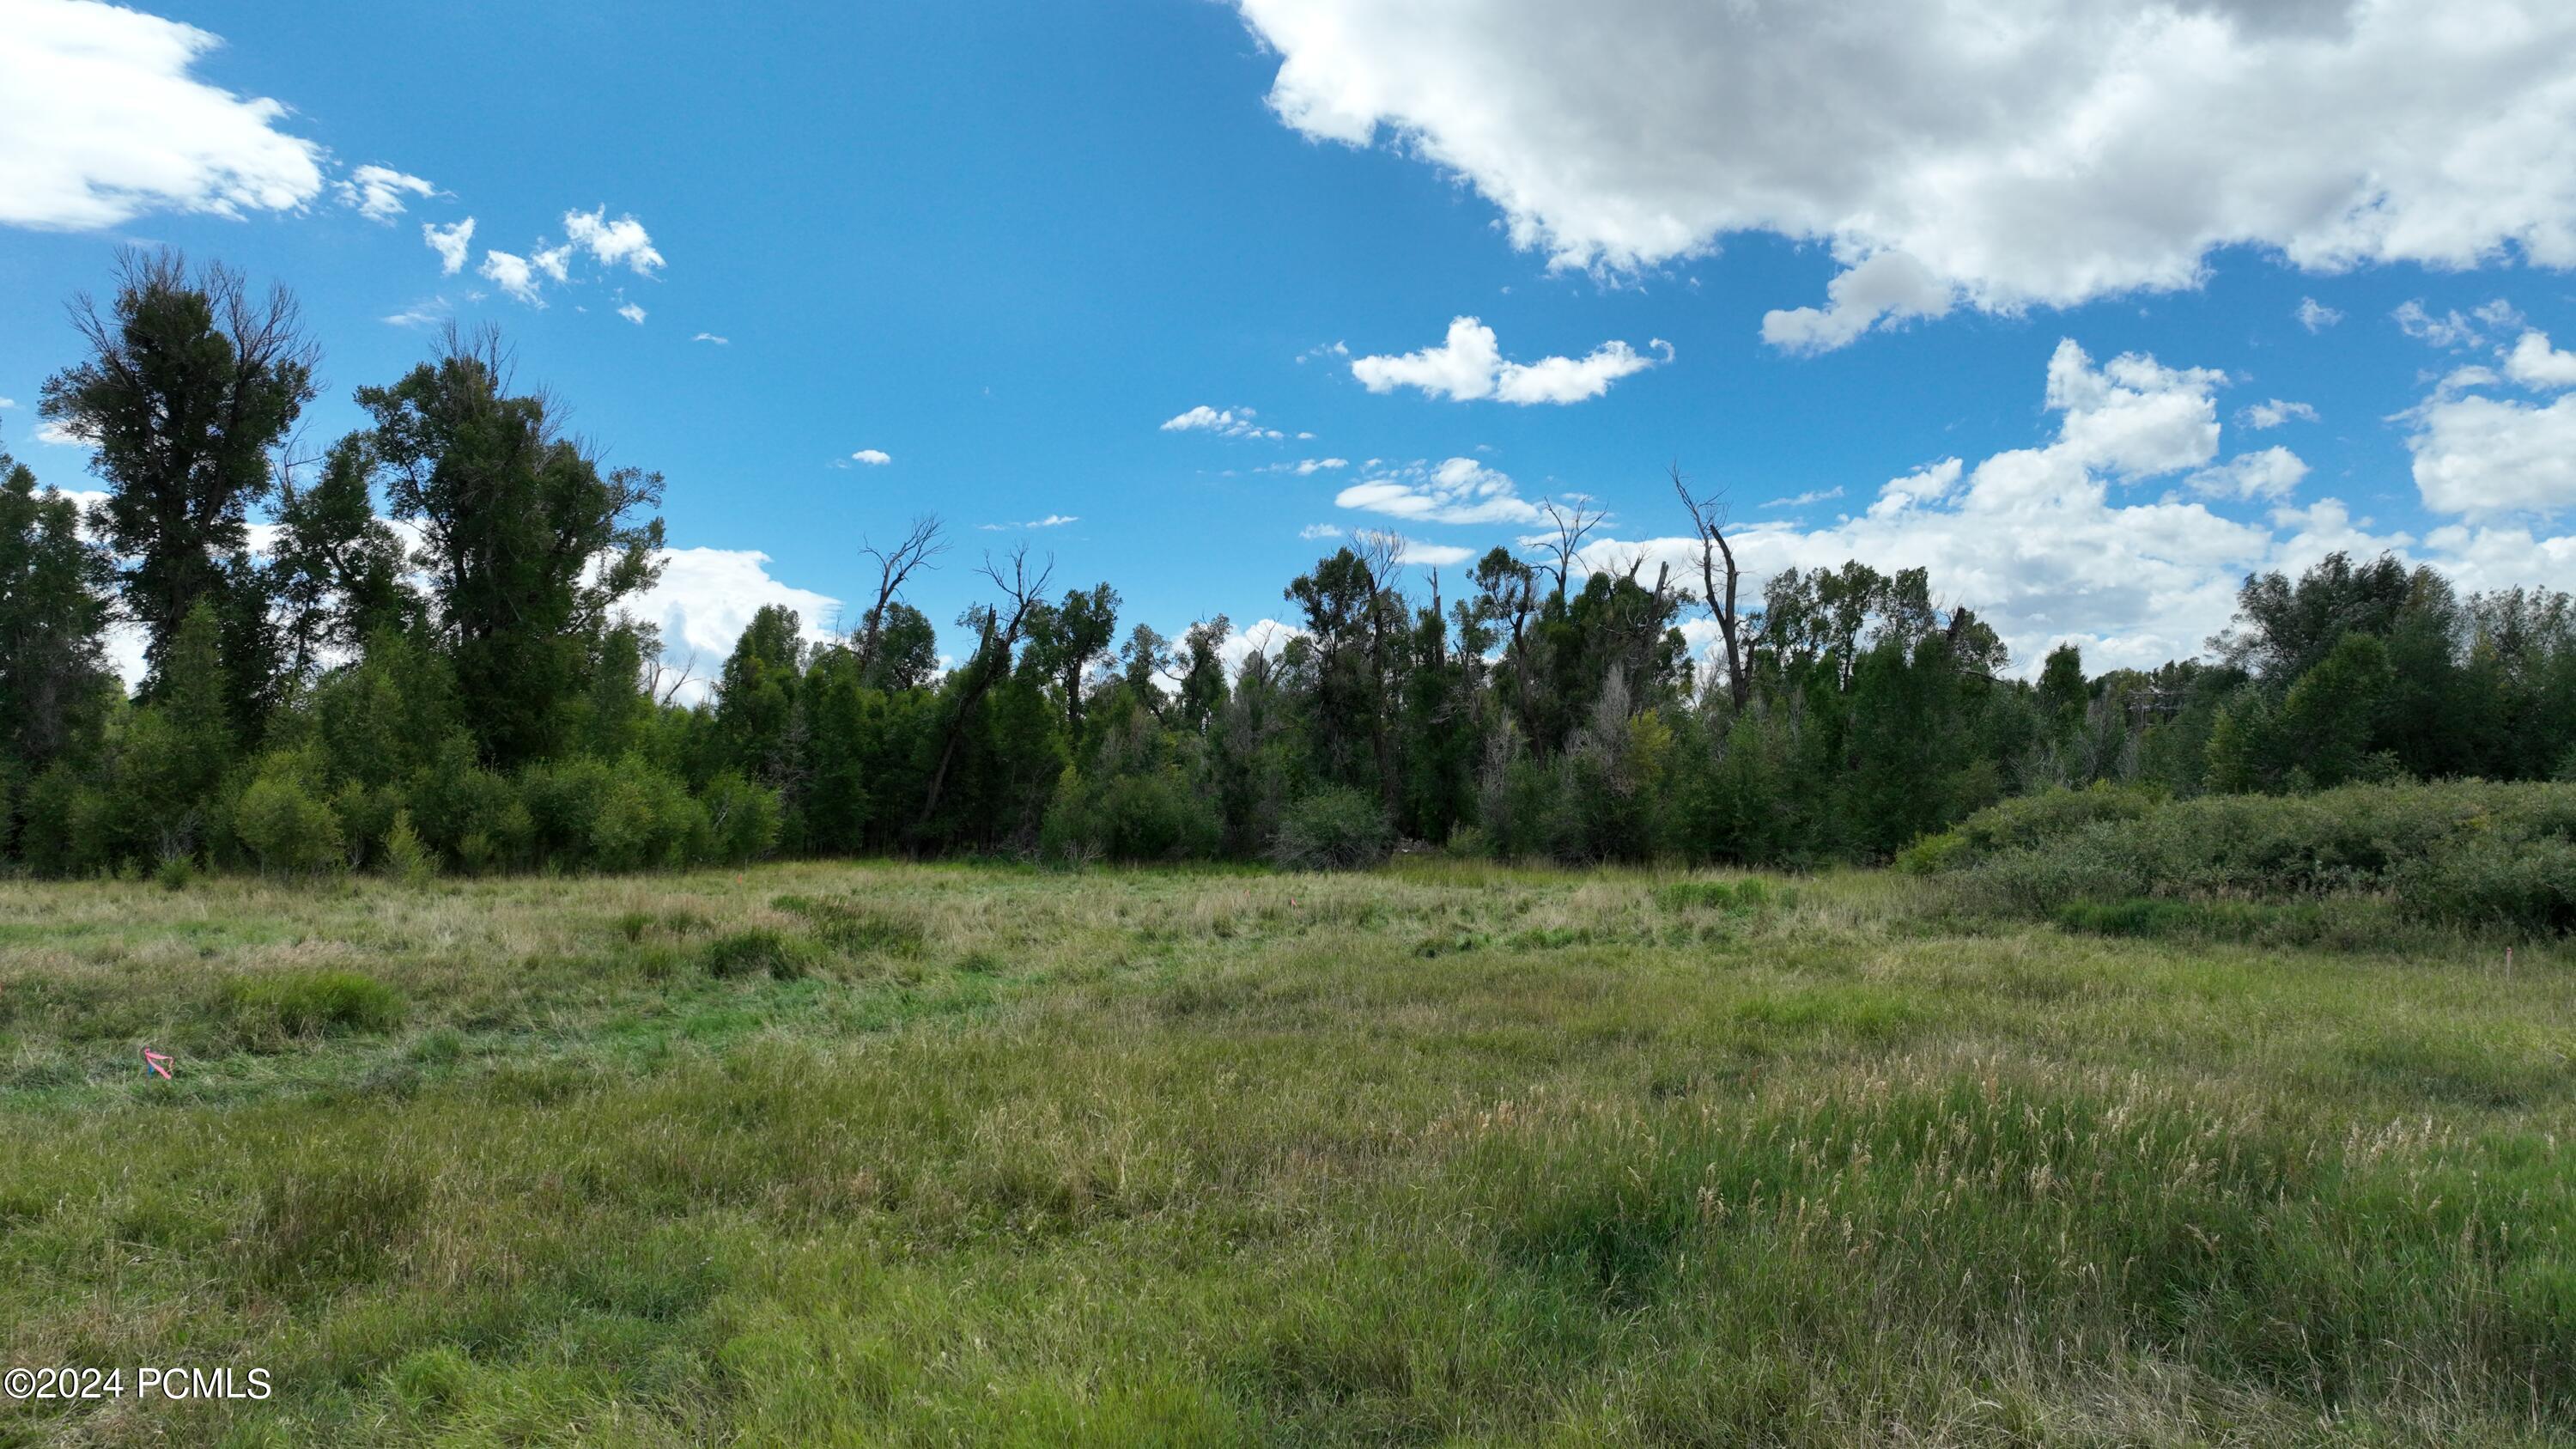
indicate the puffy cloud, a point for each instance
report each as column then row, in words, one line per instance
column 705, row 599
column 873, row 457
column 1224, row 422
column 450, row 242
column 2534, row 363
column 512, row 274
column 555, row 262
column 1889, row 287
column 2037, row 542
column 55, row 433
column 2272, row 414
column 2271, row 473
column 104, row 122
column 623, row 240
column 2016, row 152
column 378, row 191
column 2133, row 416
column 1431, row 555
column 1468, row 364
column 2478, row 456
column 2316, row 316
column 631, row 313
column 1315, row 531
column 1460, row 490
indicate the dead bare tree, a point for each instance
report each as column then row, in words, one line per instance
column 1573, row 521
column 998, row 628
column 1734, row 630
column 921, row 543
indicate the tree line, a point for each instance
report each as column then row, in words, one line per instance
column 418, row 658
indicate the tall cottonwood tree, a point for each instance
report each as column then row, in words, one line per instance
column 527, row 543
column 192, row 381
column 54, row 681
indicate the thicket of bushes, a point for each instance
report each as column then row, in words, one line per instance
column 2468, row 853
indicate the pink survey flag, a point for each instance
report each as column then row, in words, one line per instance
column 155, row 1062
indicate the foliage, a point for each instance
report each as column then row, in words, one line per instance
column 1335, row 828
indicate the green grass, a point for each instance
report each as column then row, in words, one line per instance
column 1447, row 1154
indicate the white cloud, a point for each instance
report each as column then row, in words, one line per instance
column 421, row 314
column 1314, row 531
column 58, row 434
column 1224, row 422
column 2036, row 542
column 631, row 313
column 1329, row 349
column 1468, row 364
column 7, row 403
column 2534, row 363
column 1459, row 490
column 711, row 337
column 512, row 274
column 2451, row 330
column 2272, row 473
column 450, row 242
column 1889, row 287
column 2019, row 152
column 102, row 122
column 623, row 240
column 378, row 191
column 1305, row 467
column 555, row 262
column 2478, row 456
column 2132, row 415
column 1431, row 555
column 2316, row 316
column 705, row 599
column 1052, row 520
column 2272, row 414
column 873, row 457
column 1801, row 500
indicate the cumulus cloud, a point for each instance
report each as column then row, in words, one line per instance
column 631, row 313
column 2041, row 542
column 1224, row 422
column 1306, row 467
column 1459, row 490
column 613, row 242
column 2010, row 152
column 1468, row 364
column 705, row 599
column 2268, row 474
column 377, row 192
column 1315, row 531
column 2274, row 413
column 2316, row 316
column 55, row 433
column 873, row 457
column 512, row 274
column 1888, row 288
column 2478, row 456
column 2534, row 363
column 104, row 122
column 450, row 242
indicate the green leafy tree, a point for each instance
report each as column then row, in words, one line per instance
column 527, row 543
column 55, row 687
column 190, row 383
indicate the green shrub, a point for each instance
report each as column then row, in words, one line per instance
column 284, row 827
column 742, row 819
column 1335, row 828
column 1149, row 816
column 176, row 873
column 407, row 857
column 311, row 1003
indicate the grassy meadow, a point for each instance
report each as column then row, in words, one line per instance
column 1443, row 1154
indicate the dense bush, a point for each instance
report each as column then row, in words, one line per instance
column 2470, row 853
column 1332, row 829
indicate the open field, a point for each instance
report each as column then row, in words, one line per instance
column 1446, row 1154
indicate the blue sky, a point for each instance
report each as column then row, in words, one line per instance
column 1004, row 245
